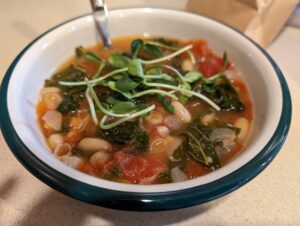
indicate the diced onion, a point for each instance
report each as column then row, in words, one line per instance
column 222, row 134
column 177, row 175
column 53, row 119
column 148, row 180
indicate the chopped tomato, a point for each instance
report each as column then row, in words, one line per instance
column 200, row 48
column 194, row 169
column 86, row 168
column 74, row 122
column 91, row 129
column 73, row 137
column 153, row 134
column 136, row 168
column 211, row 65
column 90, row 67
column 41, row 109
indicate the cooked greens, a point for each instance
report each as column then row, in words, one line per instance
column 151, row 113
column 72, row 95
column 128, row 133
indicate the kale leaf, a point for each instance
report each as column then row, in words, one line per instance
column 168, row 106
column 200, row 148
column 165, row 177
column 128, row 133
column 114, row 172
column 72, row 94
column 222, row 93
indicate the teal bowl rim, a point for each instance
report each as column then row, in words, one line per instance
column 156, row 201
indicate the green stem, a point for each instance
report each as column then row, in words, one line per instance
column 92, row 106
column 152, row 91
column 100, row 106
column 120, row 121
column 94, row 81
column 175, row 71
column 176, row 53
column 100, row 68
column 185, row 91
column 191, row 55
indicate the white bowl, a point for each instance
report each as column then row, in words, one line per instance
column 38, row 61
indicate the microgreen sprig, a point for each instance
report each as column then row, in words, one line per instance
column 132, row 80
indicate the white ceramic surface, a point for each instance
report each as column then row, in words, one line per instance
column 40, row 61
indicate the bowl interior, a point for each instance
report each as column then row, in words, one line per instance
column 53, row 48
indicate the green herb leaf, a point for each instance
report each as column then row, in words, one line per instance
column 136, row 47
column 126, row 84
column 168, row 106
column 200, row 147
column 141, row 107
column 135, row 68
column 153, row 71
column 123, row 107
column 112, row 101
column 183, row 99
column 112, row 86
column 192, row 76
column 82, row 52
column 118, row 61
column 167, row 82
column 152, row 50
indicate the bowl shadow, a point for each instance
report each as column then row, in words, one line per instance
column 57, row 209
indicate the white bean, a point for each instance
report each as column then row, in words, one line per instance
column 181, row 112
column 155, row 118
column 208, row 118
column 55, row 139
column 243, row 124
column 93, row 145
column 187, row 65
column 62, row 149
column 173, row 123
column 72, row 161
column 99, row 158
column 163, row 131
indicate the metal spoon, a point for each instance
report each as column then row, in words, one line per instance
column 100, row 15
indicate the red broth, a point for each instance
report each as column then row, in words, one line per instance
column 177, row 140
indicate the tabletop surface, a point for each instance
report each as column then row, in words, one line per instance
column 272, row 198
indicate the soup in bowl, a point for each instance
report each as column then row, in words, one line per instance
column 180, row 111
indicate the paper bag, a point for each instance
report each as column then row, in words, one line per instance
column 259, row 19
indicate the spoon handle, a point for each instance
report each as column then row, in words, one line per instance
column 100, row 15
